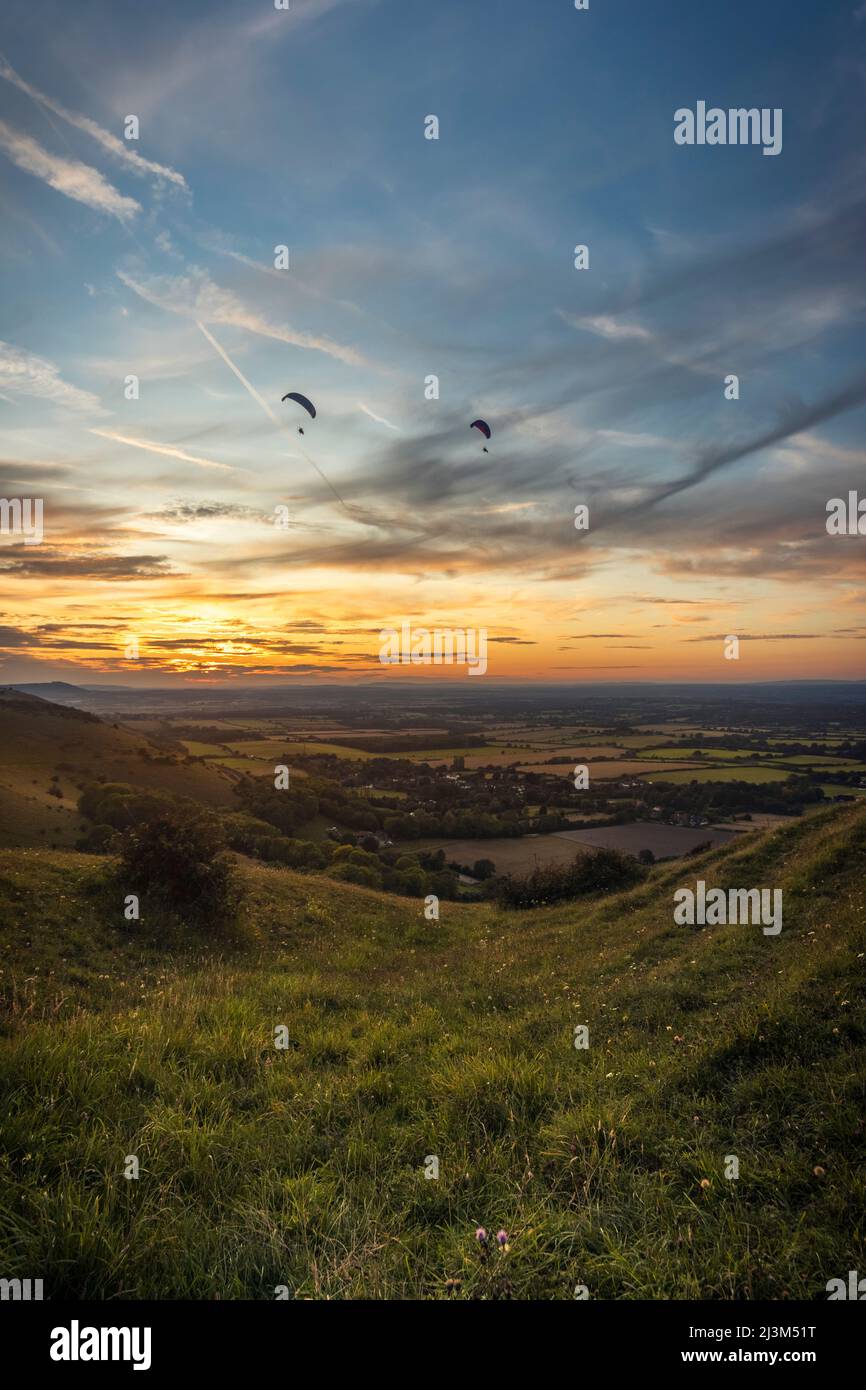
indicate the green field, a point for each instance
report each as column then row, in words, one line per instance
column 407, row 1039
column 822, row 764
column 723, row 774
column 711, row 754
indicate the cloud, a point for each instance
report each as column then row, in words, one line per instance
column 121, row 149
column 38, row 560
column 801, row 417
column 68, row 176
column 609, row 327
column 24, row 374
column 184, row 512
column 380, row 419
column 196, row 296
column 760, row 637
column 14, row 637
column 167, row 449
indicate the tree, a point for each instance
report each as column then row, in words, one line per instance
column 177, row 857
column 646, row 856
column 483, row 868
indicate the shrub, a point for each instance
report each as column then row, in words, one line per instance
column 177, row 857
column 97, row 839
column 604, row 871
column 356, row 873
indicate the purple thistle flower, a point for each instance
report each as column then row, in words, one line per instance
column 502, row 1237
column 481, row 1236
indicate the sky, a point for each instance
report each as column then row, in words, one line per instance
column 191, row 535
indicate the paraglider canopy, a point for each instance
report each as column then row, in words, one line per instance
column 483, row 426
column 302, row 400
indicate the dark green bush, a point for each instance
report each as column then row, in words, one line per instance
column 177, row 857
column 603, row 871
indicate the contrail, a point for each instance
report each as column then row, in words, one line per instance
column 104, row 137
column 802, row 418
column 168, row 449
column 380, row 419
column 271, row 414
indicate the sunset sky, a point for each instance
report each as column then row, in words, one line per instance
column 410, row 258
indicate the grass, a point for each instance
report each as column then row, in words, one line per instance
column 36, row 746
column 608, row 771
column 408, row 1038
column 715, row 754
column 734, row 773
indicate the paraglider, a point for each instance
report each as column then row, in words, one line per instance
column 483, row 426
column 303, row 401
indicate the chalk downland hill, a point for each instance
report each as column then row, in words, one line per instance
column 48, row 748
column 407, row 1039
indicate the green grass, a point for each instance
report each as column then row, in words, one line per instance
column 735, row 773
column 407, row 1038
column 712, row 754
column 821, row 764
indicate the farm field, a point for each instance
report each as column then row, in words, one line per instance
column 269, row 749
column 717, row 774
column 605, row 770
column 519, row 855
column 665, row 841
column 821, row 764
column 708, row 754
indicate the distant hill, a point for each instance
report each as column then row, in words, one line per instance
column 50, row 750
column 52, row 690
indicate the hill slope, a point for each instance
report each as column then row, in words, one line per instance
column 406, row 1040
column 45, row 746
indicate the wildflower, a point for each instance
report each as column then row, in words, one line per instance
column 705, row 1182
column 502, row 1241
column 819, row 1172
column 481, row 1237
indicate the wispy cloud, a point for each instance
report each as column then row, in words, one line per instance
column 167, row 449
column 380, row 419
column 606, row 326
column 69, row 176
column 145, row 168
column 196, row 296
column 24, row 374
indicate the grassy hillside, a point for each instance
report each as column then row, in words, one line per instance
column 305, row 1166
column 47, row 746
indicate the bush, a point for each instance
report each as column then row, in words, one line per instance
column 356, row 873
column 603, row 871
column 410, row 883
column 97, row 839
column 177, row 857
